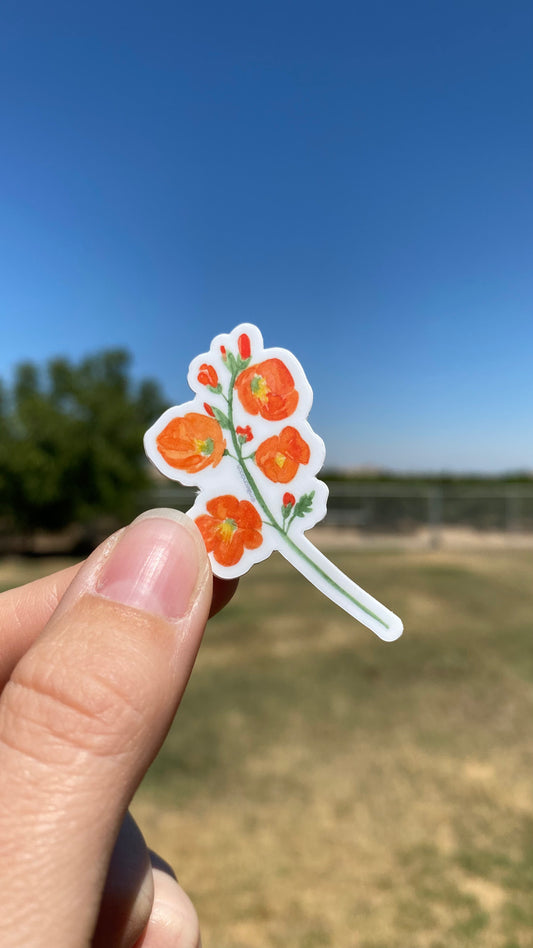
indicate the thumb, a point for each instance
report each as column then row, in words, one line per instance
column 83, row 715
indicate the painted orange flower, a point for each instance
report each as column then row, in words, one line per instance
column 191, row 442
column 245, row 433
column 279, row 457
column 267, row 389
column 245, row 347
column 207, row 375
column 228, row 527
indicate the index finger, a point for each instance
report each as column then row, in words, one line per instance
column 24, row 612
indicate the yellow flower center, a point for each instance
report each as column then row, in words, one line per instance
column 227, row 529
column 280, row 459
column 204, row 447
column 260, row 389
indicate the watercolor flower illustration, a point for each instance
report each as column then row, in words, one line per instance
column 192, row 442
column 229, row 527
column 255, row 473
column 208, row 376
column 267, row 389
column 245, row 434
column 280, row 456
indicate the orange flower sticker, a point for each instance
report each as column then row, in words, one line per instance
column 247, row 395
column 228, row 527
column 280, row 456
column 191, row 442
column 267, row 389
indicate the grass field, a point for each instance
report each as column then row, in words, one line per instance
column 320, row 788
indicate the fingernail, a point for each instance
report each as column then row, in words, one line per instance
column 154, row 565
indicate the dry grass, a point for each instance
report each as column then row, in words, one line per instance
column 16, row 570
column 320, row 788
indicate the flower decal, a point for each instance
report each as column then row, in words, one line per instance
column 229, row 527
column 254, row 500
column 245, row 346
column 267, row 389
column 208, row 376
column 279, row 457
column 192, row 442
column 245, row 434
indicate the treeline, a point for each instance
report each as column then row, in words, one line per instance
column 71, row 449
column 71, row 442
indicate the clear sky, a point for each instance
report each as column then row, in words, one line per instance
column 353, row 177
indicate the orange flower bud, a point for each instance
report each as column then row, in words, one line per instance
column 245, row 348
column 208, row 376
column 223, row 352
column 289, row 500
column 209, row 410
column 245, row 432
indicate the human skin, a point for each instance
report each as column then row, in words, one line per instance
column 94, row 661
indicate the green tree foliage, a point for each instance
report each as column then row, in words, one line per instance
column 71, row 441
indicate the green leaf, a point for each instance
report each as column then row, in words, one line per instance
column 215, row 389
column 222, row 419
column 304, row 504
column 231, row 362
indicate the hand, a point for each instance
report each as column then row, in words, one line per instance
column 93, row 663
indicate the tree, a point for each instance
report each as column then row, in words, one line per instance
column 71, row 441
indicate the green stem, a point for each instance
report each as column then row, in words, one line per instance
column 283, row 531
column 332, row 582
column 290, row 522
column 256, row 492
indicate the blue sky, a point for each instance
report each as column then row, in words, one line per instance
column 355, row 178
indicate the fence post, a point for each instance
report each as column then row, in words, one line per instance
column 434, row 497
column 512, row 510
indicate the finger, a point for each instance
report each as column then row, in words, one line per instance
column 128, row 892
column 128, row 897
column 24, row 612
column 223, row 592
column 173, row 921
column 82, row 717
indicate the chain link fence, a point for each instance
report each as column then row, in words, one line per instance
column 400, row 509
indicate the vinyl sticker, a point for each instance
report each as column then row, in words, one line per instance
column 245, row 442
